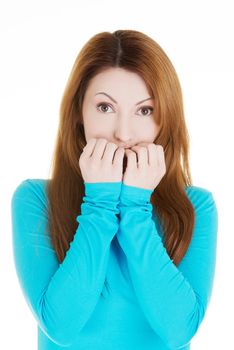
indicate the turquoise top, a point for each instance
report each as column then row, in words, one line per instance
column 150, row 304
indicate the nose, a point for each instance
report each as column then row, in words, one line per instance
column 123, row 133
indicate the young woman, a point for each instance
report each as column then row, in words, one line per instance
column 117, row 250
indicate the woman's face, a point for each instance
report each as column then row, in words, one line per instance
column 119, row 118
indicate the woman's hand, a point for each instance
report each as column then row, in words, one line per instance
column 101, row 161
column 145, row 166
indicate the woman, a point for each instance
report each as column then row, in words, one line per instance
column 138, row 269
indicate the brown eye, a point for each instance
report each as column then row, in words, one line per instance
column 105, row 109
column 146, row 108
column 102, row 104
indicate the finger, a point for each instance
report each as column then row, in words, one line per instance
column 109, row 151
column 99, row 148
column 89, row 147
column 161, row 156
column 153, row 154
column 131, row 159
column 118, row 156
column 142, row 154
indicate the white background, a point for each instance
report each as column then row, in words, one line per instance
column 40, row 41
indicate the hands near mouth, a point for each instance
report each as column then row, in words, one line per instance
column 144, row 165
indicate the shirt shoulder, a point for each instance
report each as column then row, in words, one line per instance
column 33, row 190
column 201, row 198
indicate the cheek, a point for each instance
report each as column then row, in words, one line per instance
column 147, row 132
column 96, row 128
column 151, row 131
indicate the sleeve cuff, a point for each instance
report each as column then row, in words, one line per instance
column 103, row 190
column 132, row 195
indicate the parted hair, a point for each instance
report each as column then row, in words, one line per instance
column 136, row 52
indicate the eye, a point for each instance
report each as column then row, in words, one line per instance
column 145, row 108
column 102, row 104
column 107, row 105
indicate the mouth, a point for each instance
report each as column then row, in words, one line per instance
column 124, row 163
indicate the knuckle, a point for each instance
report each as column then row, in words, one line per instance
column 160, row 147
column 112, row 144
column 153, row 145
column 92, row 165
column 91, row 140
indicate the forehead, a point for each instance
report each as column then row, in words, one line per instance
column 117, row 81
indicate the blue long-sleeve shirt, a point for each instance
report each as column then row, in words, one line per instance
column 149, row 304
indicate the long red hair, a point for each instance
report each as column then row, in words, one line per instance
column 136, row 52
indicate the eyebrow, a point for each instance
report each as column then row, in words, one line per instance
column 150, row 98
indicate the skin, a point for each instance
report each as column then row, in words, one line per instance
column 124, row 123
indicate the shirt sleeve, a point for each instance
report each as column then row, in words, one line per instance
column 173, row 299
column 63, row 296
